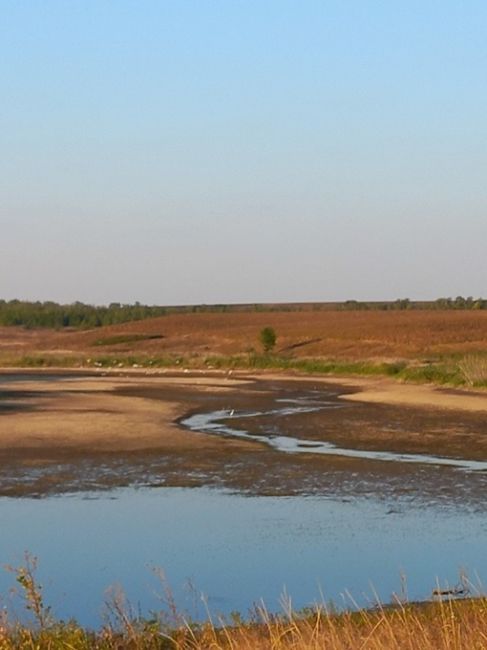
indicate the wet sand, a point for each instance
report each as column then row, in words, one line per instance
column 62, row 432
column 389, row 391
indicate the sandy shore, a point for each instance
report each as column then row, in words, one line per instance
column 374, row 390
column 388, row 391
column 93, row 413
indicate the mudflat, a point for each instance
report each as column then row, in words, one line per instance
column 66, row 431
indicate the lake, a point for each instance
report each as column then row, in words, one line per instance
column 284, row 488
column 236, row 549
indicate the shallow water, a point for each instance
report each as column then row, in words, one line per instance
column 235, row 549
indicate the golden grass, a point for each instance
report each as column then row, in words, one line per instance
column 442, row 625
column 450, row 625
column 474, row 370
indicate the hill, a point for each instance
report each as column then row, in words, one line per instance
column 332, row 334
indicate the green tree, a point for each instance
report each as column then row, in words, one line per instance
column 268, row 338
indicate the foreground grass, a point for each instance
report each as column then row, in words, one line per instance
column 442, row 625
column 460, row 625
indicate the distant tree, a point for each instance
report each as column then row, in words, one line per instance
column 443, row 303
column 403, row 303
column 268, row 338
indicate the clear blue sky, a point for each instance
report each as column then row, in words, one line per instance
column 218, row 151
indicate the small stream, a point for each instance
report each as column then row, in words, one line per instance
column 216, row 422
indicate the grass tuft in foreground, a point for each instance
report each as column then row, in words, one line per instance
column 444, row 625
column 459, row 625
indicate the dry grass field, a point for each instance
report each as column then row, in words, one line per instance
column 436, row 626
column 340, row 335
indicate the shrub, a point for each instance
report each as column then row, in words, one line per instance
column 268, row 338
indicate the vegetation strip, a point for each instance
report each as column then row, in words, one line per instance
column 470, row 370
column 82, row 316
column 445, row 624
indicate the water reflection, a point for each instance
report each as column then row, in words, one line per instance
column 236, row 549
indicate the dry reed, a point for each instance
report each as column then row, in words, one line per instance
column 474, row 370
column 448, row 625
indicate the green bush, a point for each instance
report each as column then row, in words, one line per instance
column 268, row 338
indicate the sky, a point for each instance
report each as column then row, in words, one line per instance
column 228, row 151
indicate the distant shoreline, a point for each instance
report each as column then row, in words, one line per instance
column 377, row 390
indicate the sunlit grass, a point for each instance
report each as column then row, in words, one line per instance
column 443, row 625
column 467, row 371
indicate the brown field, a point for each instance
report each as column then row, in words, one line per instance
column 340, row 335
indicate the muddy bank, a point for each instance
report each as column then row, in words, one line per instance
column 69, row 432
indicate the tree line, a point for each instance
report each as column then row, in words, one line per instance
column 77, row 315
column 81, row 316
column 405, row 303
